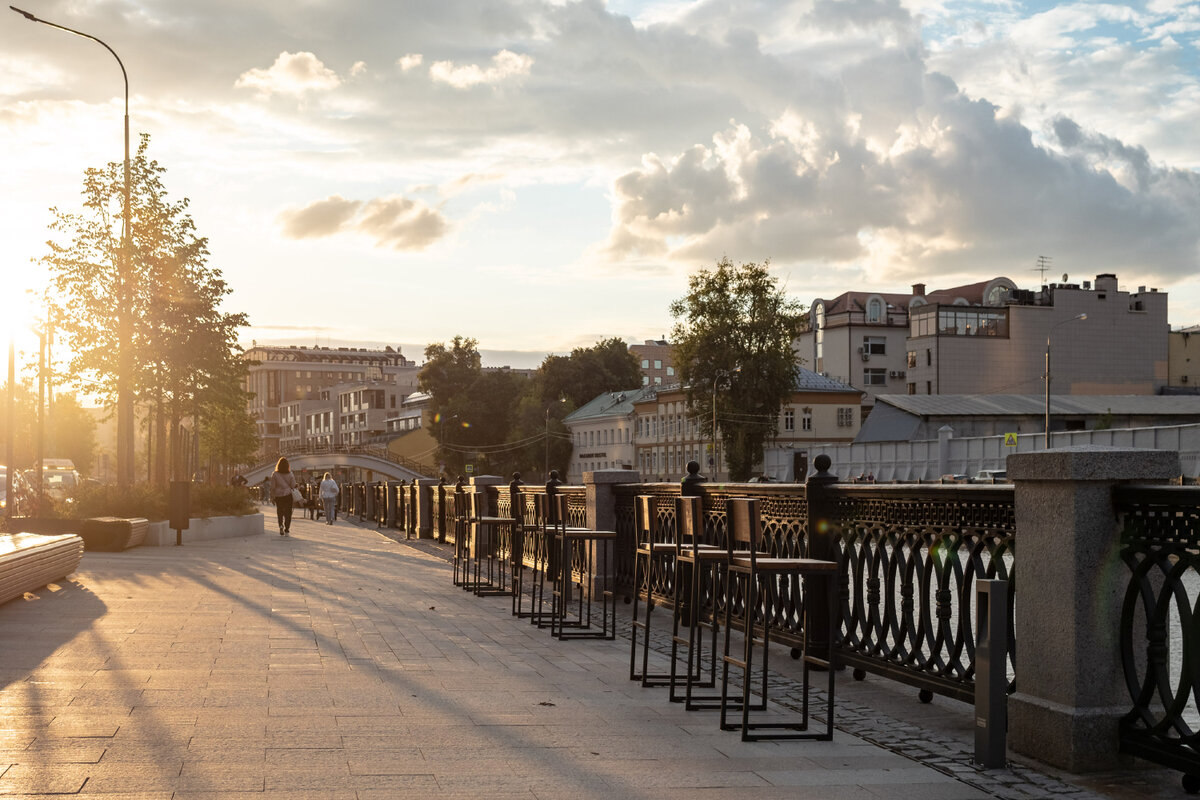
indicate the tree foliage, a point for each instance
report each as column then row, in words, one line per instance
column 70, row 432
column 733, row 346
column 183, row 345
column 500, row 422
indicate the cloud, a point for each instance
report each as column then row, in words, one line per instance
column 410, row 61
column 402, row 224
column 953, row 187
column 396, row 222
column 319, row 219
column 292, row 73
column 505, row 66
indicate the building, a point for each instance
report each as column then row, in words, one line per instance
column 990, row 338
column 1181, row 375
column 861, row 338
column 914, row 418
column 602, row 433
column 1120, row 348
column 656, row 360
column 285, row 374
column 667, row 434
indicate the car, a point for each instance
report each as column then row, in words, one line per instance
column 991, row 476
column 20, row 493
column 761, row 479
column 59, row 478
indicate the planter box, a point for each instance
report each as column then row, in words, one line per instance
column 203, row 529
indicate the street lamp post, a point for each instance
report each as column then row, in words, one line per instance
column 1048, row 333
column 124, row 338
column 9, row 447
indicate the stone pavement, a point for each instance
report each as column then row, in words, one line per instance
column 337, row 663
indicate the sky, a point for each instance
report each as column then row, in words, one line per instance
column 542, row 174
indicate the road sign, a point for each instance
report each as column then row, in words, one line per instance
column 1010, row 440
column 470, row 469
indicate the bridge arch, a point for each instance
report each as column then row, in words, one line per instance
column 323, row 461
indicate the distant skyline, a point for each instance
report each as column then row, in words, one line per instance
column 542, row 174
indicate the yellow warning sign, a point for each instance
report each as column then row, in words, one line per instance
column 1010, row 440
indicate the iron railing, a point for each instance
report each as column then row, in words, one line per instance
column 1160, row 624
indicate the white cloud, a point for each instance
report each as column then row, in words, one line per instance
column 409, row 61
column 292, row 73
column 506, row 65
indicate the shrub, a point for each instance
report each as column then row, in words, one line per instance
column 143, row 500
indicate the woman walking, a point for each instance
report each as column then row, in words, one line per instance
column 329, row 493
column 283, row 482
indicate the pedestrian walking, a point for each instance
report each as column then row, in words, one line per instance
column 329, row 493
column 283, row 484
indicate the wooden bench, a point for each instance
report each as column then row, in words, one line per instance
column 29, row 561
column 113, row 534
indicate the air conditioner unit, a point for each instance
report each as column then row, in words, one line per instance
column 865, row 355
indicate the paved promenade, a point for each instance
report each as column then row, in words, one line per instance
column 338, row 663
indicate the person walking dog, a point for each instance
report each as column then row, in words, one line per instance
column 329, row 493
column 283, row 485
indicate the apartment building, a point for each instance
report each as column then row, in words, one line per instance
column 860, row 338
column 279, row 375
column 656, row 360
column 1103, row 340
column 668, row 435
column 602, row 433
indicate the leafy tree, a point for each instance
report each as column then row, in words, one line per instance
column 733, row 344
column 228, row 434
column 606, row 366
column 181, row 342
column 72, row 433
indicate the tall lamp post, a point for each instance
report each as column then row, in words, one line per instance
column 124, row 339
column 1048, row 333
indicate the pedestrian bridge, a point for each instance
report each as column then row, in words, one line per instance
column 379, row 460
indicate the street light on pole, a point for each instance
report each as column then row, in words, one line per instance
column 1048, row 333
column 124, row 338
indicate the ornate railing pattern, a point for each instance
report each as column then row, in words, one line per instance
column 912, row 557
column 1160, row 623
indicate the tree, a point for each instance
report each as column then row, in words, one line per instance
column 180, row 340
column 228, row 434
column 733, row 346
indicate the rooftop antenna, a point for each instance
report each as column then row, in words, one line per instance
column 1043, row 264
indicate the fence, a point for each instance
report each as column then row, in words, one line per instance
column 1160, row 624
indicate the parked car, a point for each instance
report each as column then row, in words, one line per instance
column 20, row 493
column 59, row 478
column 991, row 476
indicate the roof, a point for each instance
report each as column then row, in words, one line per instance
column 609, row 404
column 857, row 301
column 964, row 405
column 809, row 381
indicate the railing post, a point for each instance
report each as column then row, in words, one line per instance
column 991, row 673
column 692, row 484
column 516, row 507
column 426, row 490
column 823, row 534
column 602, row 516
column 1070, row 683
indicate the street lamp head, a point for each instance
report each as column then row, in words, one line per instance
column 25, row 14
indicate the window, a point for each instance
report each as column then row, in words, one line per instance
column 789, row 419
column 806, row 420
column 911, row 358
column 645, row 363
column 874, row 310
column 928, row 387
column 657, row 381
column 645, row 381
column 874, row 376
column 657, row 363
column 912, row 388
column 875, row 345
column 845, row 417
column 670, row 372
column 929, row 358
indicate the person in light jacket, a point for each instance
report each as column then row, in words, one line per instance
column 282, row 484
column 329, row 493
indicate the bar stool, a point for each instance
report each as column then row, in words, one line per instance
column 486, row 539
column 760, row 575
column 461, row 525
column 696, row 564
column 545, row 557
column 652, row 549
column 527, row 535
column 567, row 540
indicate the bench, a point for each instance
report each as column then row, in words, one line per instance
column 113, row 534
column 29, row 561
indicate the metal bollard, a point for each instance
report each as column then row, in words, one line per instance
column 991, row 673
